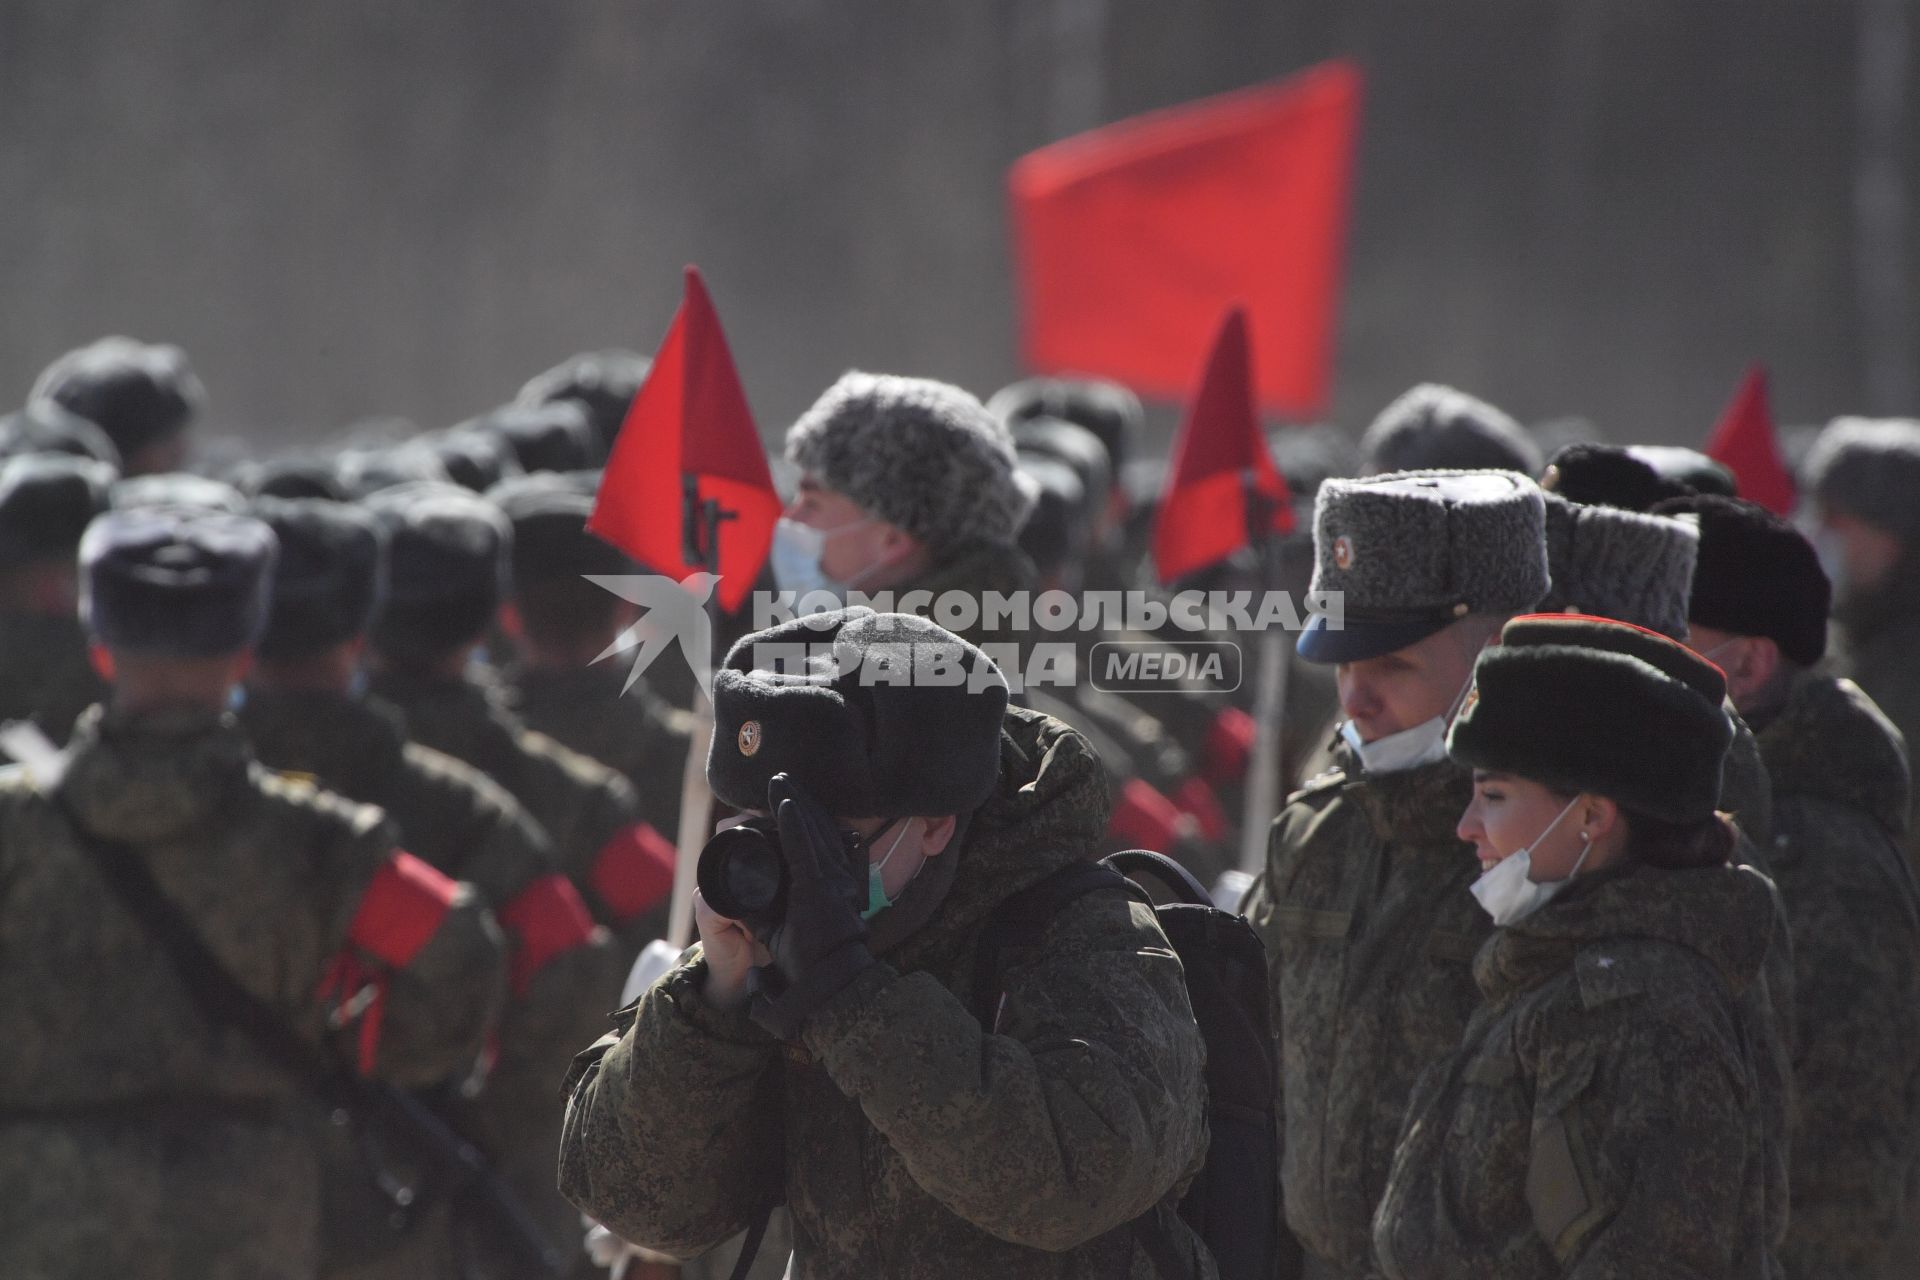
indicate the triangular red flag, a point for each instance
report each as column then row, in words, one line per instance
column 1219, row 460
column 1132, row 239
column 1746, row 441
column 686, row 453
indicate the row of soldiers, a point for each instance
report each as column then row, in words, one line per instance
column 1715, row 1068
column 406, row 626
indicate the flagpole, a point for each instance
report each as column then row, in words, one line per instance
column 1262, row 793
column 696, row 811
column 701, row 520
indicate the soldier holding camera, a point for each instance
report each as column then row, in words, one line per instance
column 822, row 1047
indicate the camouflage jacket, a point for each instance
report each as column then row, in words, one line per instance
column 1840, row 806
column 589, row 812
column 565, row 974
column 1603, row 1116
column 1370, row 932
column 909, row 1141
column 1877, row 640
column 634, row 732
column 136, row 1137
column 44, row 672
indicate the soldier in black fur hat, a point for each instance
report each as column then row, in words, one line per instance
column 46, row 503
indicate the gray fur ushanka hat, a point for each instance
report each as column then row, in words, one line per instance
column 1412, row 551
column 1620, row 564
column 919, row 454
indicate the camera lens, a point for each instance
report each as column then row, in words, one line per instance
column 742, row 875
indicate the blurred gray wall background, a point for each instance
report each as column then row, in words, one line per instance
column 1593, row 207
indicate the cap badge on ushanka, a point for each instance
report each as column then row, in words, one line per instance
column 750, row 737
column 1343, row 552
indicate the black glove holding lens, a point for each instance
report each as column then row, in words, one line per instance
column 819, row 941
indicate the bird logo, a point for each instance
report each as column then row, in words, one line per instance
column 671, row 611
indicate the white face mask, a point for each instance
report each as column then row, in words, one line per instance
column 1507, row 890
column 796, row 553
column 1424, row 744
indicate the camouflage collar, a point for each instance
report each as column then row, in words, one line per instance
column 976, row 567
column 1832, row 743
column 352, row 745
column 1725, row 914
column 151, row 777
column 1049, row 809
column 466, row 718
column 1418, row 807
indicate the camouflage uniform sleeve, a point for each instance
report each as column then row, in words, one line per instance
column 442, row 1005
column 441, row 956
column 1640, row 1155
column 673, row 1136
column 1858, row 1069
column 1079, row 1116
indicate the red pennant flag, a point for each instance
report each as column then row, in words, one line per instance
column 1132, row 239
column 1746, row 441
column 1219, row 458
column 687, row 487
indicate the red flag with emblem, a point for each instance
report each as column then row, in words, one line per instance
column 687, row 487
column 1130, row 240
column 1746, row 441
column 1223, row 488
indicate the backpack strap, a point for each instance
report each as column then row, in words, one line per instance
column 750, row 1247
column 1158, row 866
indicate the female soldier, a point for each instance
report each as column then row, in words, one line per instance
column 1602, row 1116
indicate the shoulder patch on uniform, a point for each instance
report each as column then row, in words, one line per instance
column 297, row 782
column 1320, row 784
column 1607, row 973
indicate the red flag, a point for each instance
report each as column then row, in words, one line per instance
column 688, row 470
column 1217, row 457
column 1132, row 239
column 1746, row 441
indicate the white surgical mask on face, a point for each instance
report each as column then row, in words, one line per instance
column 1507, row 891
column 1423, row 744
column 796, row 553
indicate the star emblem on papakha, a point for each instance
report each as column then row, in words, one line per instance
column 671, row 611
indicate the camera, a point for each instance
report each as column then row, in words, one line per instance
column 742, row 873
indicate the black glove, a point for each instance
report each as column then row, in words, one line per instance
column 821, row 946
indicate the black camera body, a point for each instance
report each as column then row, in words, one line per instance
column 742, row 874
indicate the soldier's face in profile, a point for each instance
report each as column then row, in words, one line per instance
column 1509, row 813
column 856, row 540
column 1399, row 690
